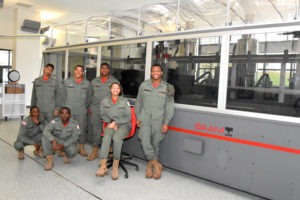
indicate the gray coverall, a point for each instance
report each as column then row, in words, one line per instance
column 154, row 107
column 29, row 133
column 100, row 90
column 46, row 95
column 120, row 112
column 67, row 135
column 77, row 97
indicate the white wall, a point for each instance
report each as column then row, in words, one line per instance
column 27, row 54
column 27, row 51
column 6, row 27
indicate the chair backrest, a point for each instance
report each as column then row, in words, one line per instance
column 133, row 124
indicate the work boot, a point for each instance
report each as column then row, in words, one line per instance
column 66, row 159
column 157, row 169
column 61, row 154
column 115, row 170
column 50, row 162
column 39, row 152
column 82, row 151
column 21, row 154
column 149, row 169
column 94, row 154
column 102, row 169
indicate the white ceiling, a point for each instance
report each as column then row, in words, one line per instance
column 70, row 10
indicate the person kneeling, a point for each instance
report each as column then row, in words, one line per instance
column 116, row 112
column 30, row 133
column 61, row 134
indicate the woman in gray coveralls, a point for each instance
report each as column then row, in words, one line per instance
column 116, row 112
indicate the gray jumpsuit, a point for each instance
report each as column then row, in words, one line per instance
column 100, row 90
column 46, row 95
column 120, row 112
column 154, row 107
column 77, row 97
column 29, row 133
column 67, row 135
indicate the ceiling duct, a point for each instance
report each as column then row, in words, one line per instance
column 31, row 26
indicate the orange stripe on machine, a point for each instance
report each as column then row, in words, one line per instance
column 236, row 140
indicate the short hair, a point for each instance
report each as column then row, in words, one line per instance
column 50, row 65
column 33, row 107
column 105, row 63
column 157, row 65
column 65, row 108
column 80, row 67
column 121, row 91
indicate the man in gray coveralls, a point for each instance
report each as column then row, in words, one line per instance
column 46, row 94
column 30, row 133
column 76, row 95
column 61, row 134
column 101, row 89
column 154, row 110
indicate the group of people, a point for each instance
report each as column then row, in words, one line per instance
column 59, row 113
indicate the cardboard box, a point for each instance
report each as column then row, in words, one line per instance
column 14, row 90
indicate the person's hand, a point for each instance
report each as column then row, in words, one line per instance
column 37, row 146
column 55, row 113
column 165, row 128
column 111, row 125
column 56, row 147
column 138, row 123
column 116, row 127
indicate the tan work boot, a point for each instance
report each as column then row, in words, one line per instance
column 21, row 154
column 66, row 159
column 82, row 151
column 115, row 170
column 102, row 169
column 157, row 169
column 149, row 169
column 94, row 154
column 50, row 162
column 39, row 152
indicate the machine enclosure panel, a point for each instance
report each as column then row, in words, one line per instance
column 258, row 170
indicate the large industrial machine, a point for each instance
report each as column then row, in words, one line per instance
column 237, row 100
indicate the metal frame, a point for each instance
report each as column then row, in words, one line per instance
column 224, row 33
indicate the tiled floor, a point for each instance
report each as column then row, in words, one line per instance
column 27, row 179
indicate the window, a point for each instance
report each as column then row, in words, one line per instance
column 264, row 73
column 58, row 60
column 127, row 65
column 87, row 57
column 192, row 66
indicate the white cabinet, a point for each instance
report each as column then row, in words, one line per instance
column 12, row 101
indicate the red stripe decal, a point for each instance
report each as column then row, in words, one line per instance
column 235, row 140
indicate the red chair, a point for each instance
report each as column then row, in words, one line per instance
column 124, row 156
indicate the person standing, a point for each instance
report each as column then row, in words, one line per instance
column 76, row 95
column 101, row 87
column 62, row 135
column 46, row 94
column 116, row 112
column 154, row 110
column 30, row 133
